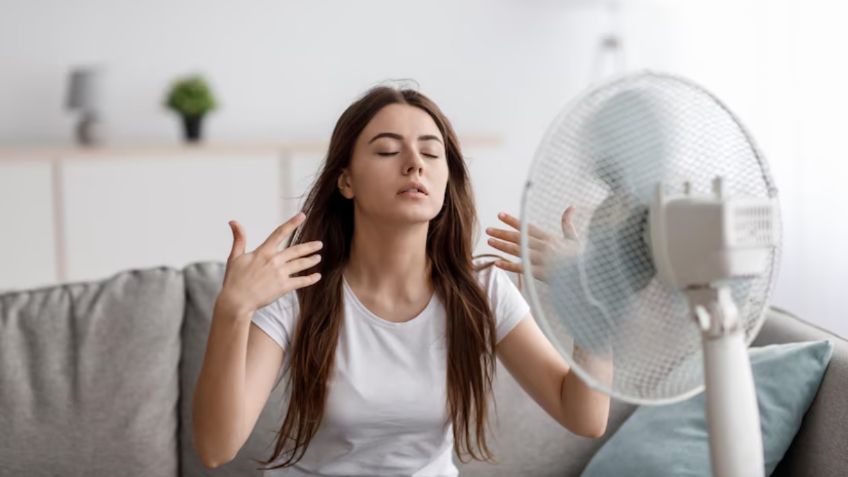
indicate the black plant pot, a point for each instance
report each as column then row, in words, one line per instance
column 192, row 128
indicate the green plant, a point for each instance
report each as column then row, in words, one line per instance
column 190, row 96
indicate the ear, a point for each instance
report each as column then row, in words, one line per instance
column 344, row 184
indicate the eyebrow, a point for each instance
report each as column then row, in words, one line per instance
column 426, row 137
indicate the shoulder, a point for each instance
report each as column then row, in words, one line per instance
column 506, row 301
column 277, row 319
column 483, row 268
column 489, row 276
column 286, row 304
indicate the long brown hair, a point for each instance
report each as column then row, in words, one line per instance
column 470, row 324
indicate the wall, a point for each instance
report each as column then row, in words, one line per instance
column 288, row 69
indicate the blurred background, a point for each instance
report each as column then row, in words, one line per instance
column 141, row 194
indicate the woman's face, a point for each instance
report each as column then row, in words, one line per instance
column 398, row 171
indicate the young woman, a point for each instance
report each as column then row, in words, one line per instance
column 386, row 326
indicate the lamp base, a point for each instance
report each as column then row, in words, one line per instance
column 88, row 130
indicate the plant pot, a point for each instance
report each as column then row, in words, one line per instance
column 192, row 127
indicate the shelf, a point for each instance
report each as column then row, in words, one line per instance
column 291, row 147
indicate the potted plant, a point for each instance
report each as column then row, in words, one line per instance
column 191, row 98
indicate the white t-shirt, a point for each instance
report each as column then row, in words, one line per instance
column 386, row 410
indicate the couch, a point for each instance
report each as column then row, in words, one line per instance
column 96, row 378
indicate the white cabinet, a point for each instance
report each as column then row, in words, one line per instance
column 27, row 246
column 163, row 210
column 299, row 172
column 75, row 214
column 80, row 214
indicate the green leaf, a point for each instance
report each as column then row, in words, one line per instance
column 190, row 96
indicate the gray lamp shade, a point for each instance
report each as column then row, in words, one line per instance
column 84, row 92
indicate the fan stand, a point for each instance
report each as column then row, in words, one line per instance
column 733, row 419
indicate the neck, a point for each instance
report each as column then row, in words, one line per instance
column 389, row 259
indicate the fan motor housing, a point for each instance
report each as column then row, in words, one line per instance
column 701, row 240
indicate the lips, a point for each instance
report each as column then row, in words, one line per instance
column 414, row 186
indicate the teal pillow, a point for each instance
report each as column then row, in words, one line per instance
column 672, row 440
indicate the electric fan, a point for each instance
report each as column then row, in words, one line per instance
column 675, row 254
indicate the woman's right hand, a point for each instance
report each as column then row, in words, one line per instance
column 543, row 246
column 255, row 279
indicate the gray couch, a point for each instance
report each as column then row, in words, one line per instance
column 96, row 378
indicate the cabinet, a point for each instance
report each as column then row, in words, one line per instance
column 76, row 214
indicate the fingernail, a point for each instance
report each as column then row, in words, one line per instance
column 501, row 215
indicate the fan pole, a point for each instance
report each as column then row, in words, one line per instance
column 735, row 436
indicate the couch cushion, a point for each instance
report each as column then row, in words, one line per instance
column 527, row 441
column 820, row 447
column 89, row 376
column 673, row 440
column 203, row 282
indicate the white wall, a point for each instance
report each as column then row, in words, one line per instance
column 288, row 69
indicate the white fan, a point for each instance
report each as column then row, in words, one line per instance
column 677, row 249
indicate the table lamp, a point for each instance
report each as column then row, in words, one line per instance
column 84, row 95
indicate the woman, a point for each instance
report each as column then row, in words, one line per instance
column 388, row 335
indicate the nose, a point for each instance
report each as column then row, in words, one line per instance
column 413, row 162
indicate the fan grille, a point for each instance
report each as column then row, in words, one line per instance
column 605, row 155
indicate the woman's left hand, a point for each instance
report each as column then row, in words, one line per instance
column 541, row 243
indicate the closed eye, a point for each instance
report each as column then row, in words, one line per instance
column 387, row 154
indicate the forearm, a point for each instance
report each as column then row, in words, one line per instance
column 585, row 410
column 219, row 403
